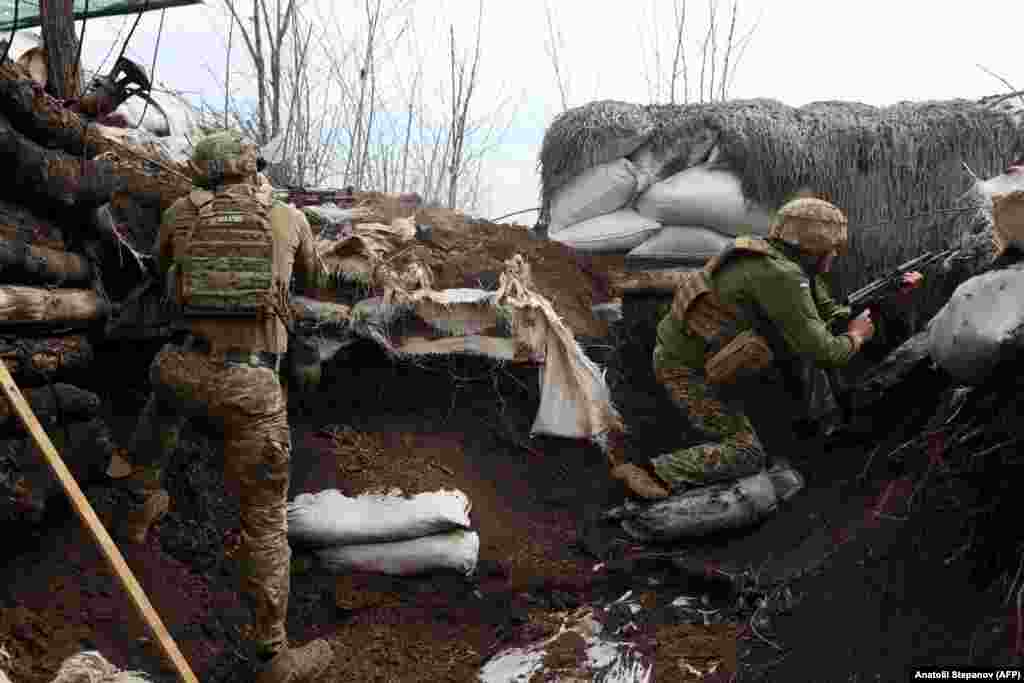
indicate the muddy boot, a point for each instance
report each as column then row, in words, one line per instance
column 640, row 482
column 298, row 665
column 145, row 510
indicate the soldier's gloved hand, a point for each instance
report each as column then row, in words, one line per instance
column 908, row 284
column 861, row 329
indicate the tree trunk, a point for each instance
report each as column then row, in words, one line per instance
column 36, row 360
column 23, row 263
column 58, row 27
column 19, row 305
column 51, row 404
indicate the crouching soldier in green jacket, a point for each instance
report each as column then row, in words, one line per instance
column 760, row 302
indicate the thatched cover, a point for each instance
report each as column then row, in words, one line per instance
column 879, row 164
column 588, row 136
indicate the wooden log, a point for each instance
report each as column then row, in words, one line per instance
column 43, row 118
column 30, row 264
column 18, row 223
column 53, row 175
column 19, row 304
column 36, row 360
column 53, row 403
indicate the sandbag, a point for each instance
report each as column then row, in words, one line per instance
column 980, row 326
column 583, row 649
column 712, row 198
column 92, row 667
column 455, row 550
column 679, row 245
column 594, row 192
column 329, row 518
column 709, row 509
column 618, row 231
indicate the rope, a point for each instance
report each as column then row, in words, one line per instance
column 14, row 28
column 152, row 67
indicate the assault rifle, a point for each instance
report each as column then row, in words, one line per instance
column 868, row 298
column 873, row 293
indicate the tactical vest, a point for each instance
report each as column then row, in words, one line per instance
column 698, row 307
column 224, row 256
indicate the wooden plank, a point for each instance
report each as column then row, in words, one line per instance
column 88, row 516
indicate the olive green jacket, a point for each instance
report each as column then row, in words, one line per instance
column 780, row 288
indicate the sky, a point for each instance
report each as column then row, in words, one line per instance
column 874, row 51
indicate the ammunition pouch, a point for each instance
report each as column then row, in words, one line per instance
column 745, row 356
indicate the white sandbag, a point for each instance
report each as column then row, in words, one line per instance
column 455, row 550
column 620, row 230
column 331, row 214
column 329, row 518
column 92, row 667
column 981, row 325
column 702, row 196
column 594, row 192
column 602, row 657
column 690, row 246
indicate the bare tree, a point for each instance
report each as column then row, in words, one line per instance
column 265, row 44
column 463, row 86
column 716, row 60
column 555, row 43
column 62, row 50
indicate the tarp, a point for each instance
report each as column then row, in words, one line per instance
column 28, row 10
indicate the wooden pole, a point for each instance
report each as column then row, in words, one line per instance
column 88, row 516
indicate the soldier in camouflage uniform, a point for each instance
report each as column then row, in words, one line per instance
column 773, row 287
column 227, row 369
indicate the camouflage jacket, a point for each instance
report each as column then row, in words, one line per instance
column 779, row 287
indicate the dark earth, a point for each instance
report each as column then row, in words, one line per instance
column 855, row 579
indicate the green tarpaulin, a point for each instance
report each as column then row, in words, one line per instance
column 28, row 10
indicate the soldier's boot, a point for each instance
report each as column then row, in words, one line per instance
column 298, row 665
column 147, row 508
column 640, row 482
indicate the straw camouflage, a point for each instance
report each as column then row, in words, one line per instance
column 736, row 450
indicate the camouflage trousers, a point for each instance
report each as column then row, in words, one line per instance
column 735, row 450
column 248, row 405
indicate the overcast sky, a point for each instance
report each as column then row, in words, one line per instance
column 873, row 51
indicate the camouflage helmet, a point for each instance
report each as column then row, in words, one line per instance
column 812, row 225
column 222, row 156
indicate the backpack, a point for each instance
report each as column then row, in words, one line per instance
column 225, row 259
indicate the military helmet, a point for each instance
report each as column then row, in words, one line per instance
column 223, row 155
column 812, row 225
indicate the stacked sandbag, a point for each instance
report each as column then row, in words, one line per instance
column 589, row 184
column 981, row 326
column 386, row 533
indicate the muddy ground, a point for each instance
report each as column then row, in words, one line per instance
column 872, row 590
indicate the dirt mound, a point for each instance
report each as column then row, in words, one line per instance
column 463, row 252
